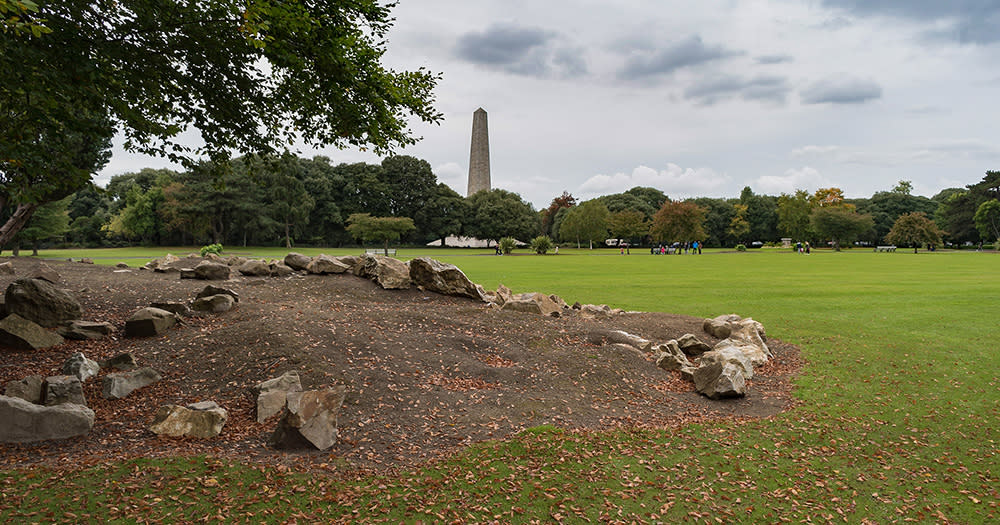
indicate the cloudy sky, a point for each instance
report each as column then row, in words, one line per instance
column 702, row 98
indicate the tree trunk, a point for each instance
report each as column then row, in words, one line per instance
column 34, row 249
column 386, row 247
column 16, row 222
column 288, row 236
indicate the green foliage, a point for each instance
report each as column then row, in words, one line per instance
column 741, row 248
column 738, row 225
column 914, row 229
column 793, row 215
column 987, row 219
column 678, row 221
column 541, row 244
column 586, row 222
column 839, row 224
column 367, row 228
column 499, row 213
column 214, row 249
column 507, row 244
column 630, row 225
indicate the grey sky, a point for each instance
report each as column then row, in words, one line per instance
column 703, row 98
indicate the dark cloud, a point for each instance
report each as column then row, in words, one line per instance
column 973, row 21
column 774, row 59
column 840, row 90
column 710, row 90
column 521, row 50
column 686, row 53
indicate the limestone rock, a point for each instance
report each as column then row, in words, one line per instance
column 7, row 268
column 324, row 264
column 125, row 361
column 618, row 336
column 670, row 357
column 173, row 307
column 503, row 294
column 351, row 261
column 213, row 303
column 216, row 290
column 120, row 384
column 255, row 268
column 80, row 366
column 121, row 265
column 273, row 393
column 44, row 272
column 212, row 271
column 199, row 420
column 280, row 270
column 691, row 345
column 719, row 380
column 187, row 273
column 21, row 334
column 297, row 261
column 559, row 300
column 536, row 303
column 86, row 260
column 29, row 389
column 83, row 330
column 721, row 326
column 26, row 422
column 310, row 418
column 149, row 321
column 63, row 389
column 729, row 355
column 594, row 311
column 442, row 278
column 41, row 302
column 389, row 273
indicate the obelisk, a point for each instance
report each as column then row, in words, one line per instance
column 479, row 158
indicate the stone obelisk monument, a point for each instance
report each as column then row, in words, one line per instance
column 479, row 159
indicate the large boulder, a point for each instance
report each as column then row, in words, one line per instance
column 212, row 271
column 272, row 394
column 21, row 334
column 536, row 303
column 25, row 422
column 149, row 321
column 503, row 294
column 442, row 278
column 213, row 303
column 83, row 330
column 29, row 389
column 255, row 268
column 324, row 264
column 595, row 311
column 669, row 356
column 199, row 420
column 719, row 380
column 174, row 307
column 691, row 345
column 216, row 290
column 120, row 384
column 389, row 273
column 297, row 261
column 63, row 389
column 618, row 337
column 310, row 419
column 123, row 361
column 80, row 366
column 721, row 326
column 40, row 301
column 44, row 272
column 280, row 270
column 729, row 355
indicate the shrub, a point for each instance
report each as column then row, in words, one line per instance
column 507, row 245
column 211, row 248
column 541, row 244
column 741, row 248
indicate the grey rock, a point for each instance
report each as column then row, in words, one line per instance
column 503, row 294
column 536, row 303
column 44, row 272
column 26, row 422
column 63, row 389
column 121, row 265
column 617, row 336
column 595, row 311
column 173, row 307
column 149, row 321
column 187, row 273
column 212, row 271
column 692, row 346
column 21, row 334
column 324, row 264
column 273, row 393
column 389, row 273
column 719, row 380
column 670, row 357
column 297, row 261
column 86, row 260
column 120, row 384
column 198, row 420
column 310, row 419
column 29, row 389
column 83, row 330
column 280, row 270
column 255, row 268
column 442, row 278
column 721, row 326
column 7, row 268
column 213, row 304
column 80, row 366
column 125, row 361
column 40, row 301
column 216, row 290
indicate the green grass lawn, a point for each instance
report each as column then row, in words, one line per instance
column 899, row 417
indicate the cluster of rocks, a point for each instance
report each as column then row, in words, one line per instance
column 722, row 370
column 40, row 408
column 216, row 268
column 307, row 418
column 159, row 317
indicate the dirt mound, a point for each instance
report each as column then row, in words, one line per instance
column 425, row 373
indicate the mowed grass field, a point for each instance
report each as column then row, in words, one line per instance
column 899, row 417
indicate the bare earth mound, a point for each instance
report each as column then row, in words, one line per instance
column 425, row 373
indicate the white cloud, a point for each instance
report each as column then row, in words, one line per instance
column 805, row 178
column 454, row 175
column 675, row 181
column 813, row 150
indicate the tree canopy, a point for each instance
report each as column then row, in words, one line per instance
column 678, row 221
column 914, row 229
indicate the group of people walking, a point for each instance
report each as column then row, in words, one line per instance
column 677, row 248
column 801, row 247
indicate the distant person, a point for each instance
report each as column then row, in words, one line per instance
column 798, row 247
column 699, row 247
column 808, row 248
column 557, row 249
column 621, row 250
column 652, row 250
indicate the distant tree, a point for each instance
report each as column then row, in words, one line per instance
column 628, row 225
column 678, row 221
column 548, row 215
column 718, row 214
column 988, row 220
column 410, row 185
column 445, row 214
column 793, row 215
column 629, row 201
column 586, row 222
column 49, row 222
column 287, row 202
column 958, row 208
column 367, row 228
column 653, row 197
column 903, row 187
column 499, row 213
column 140, row 219
column 541, row 244
column 738, row 225
column 839, row 224
column 828, row 197
column 887, row 206
column 914, row 229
